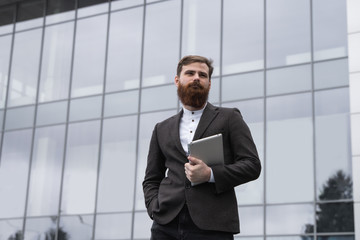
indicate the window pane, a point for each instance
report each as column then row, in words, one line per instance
column 214, row 94
column 253, row 220
column 289, row 149
column 56, row 62
column 331, row 74
column 85, row 108
column 142, row 226
column 113, row 226
column 125, row 3
column 121, row 103
column 335, row 217
column 6, row 19
column 57, row 11
column 91, row 7
column 290, row 79
column 9, row 228
column 25, row 68
column 333, row 155
column 79, row 227
column 14, row 173
column 161, row 50
column 5, row 47
column 81, row 168
column 243, row 26
column 330, row 31
column 354, row 93
column 201, row 30
column 19, row 117
column 158, row 98
column 46, row 171
column 36, row 228
column 89, row 59
column 123, row 66
column 117, row 169
column 51, row 113
column 30, row 14
column 288, row 32
column 354, row 57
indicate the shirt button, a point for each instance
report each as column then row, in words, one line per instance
column 192, row 112
column 193, row 120
column 190, row 131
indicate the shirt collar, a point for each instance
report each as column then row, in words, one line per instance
column 192, row 113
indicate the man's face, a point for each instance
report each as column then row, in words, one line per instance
column 193, row 84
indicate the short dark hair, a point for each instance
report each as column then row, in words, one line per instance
column 192, row 59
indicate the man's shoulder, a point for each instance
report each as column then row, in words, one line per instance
column 225, row 110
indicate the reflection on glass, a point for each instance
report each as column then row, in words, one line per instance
column 51, row 113
column 142, row 225
column 56, row 62
column 121, row 103
column 201, row 30
column 19, row 117
column 214, row 94
column 302, row 237
column 14, row 172
column 79, row 227
column 337, row 237
column 253, row 220
column 46, row 170
column 289, row 219
column 119, row 4
column 6, row 20
column 117, row 167
column 78, row 195
column 25, row 68
column 125, row 34
column 11, row 228
column 158, row 98
column 243, row 36
column 331, row 74
column 108, row 226
column 288, row 32
column 5, row 47
column 88, row 74
column 85, row 108
column 37, row 228
column 329, row 29
column 57, row 11
column 30, row 14
column 289, row 132
column 91, row 7
column 161, row 47
column 1, row 120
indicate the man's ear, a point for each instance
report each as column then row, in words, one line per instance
column 177, row 81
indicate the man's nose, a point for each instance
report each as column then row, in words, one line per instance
column 196, row 77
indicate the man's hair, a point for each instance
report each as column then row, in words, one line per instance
column 193, row 59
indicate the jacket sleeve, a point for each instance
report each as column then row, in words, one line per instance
column 245, row 165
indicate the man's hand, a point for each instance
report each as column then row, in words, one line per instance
column 197, row 171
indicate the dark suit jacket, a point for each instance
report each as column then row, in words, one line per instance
column 212, row 206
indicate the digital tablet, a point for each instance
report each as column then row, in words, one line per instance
column 209, row 149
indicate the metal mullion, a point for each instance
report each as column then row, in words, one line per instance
column 221, row 50
column 265, row 121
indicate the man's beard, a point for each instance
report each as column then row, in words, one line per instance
column 193, row 94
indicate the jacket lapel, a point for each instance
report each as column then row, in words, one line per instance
column 174, row 132
column 210, row 112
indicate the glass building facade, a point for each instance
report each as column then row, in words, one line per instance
column 82, row 84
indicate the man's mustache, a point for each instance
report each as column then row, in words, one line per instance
column 196, row 84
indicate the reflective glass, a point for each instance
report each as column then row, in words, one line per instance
column 78, row 195
column 289, row 142
column 161, row 46
column 337, row 237
column 5, row 47
column 287, row 32
column 1, row 121
column 354, row 57
column 158, row 98
column 10, row 227
column 355, row 134
column 251, row 220
column 57, row 11
column 25, row 68
column 14, row 172
column 85, row 108
column 6, row 19
column 46, row 168
column 354, row 92
column 329, row 29
column 19, row 117
column 243, row 86
column 51, row 113
column 142, row 225
column 113, row 226
column 117, row 167
column 214, row 94
column 201, row 30
column 79, row 227
column 56, row 62
column 353, row 17
column 331, row 74
column 287, row 80
column 89, row 59
column 243, row 36
column 335, row 217
column 332, row 134
column 40, row 228
column 147, row 124
column 119, row 4
column 290, row 219
column 125, row 39
column 121, row 103
column 302, row 237
column 30, row 14
column 91, row 7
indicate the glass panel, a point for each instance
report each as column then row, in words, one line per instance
column 89, row 59
column 57, row 11
column 331, row 74
column 162, row 36
column 14, row 173
column 354, row 92
column 113, row 226
column 125, row 37
column 147, row 124
column 289, row 146
column 117, row 170
column 5, row 47
column 335, row 217
column 121, row 103
column 51, row 113
column 46, row 168
column 201, row 30
column 214, row 94
column 85, row 108
column 79, row 184
column 125, row 3
column 142, row 226
column 354, row 57
column 91, row 7
column 243, row 26
column 11, row 228
column 337, row 237
column 253, row 220
column 30, row 14
column 79, row 227
column 329, row 29
column 353, row 18
column 158, row 98
column 290, row 219
column 1, row 121
column 56, row 62
column 40, row 228
column 333, row 155
column 19, row 117
column 302, row 237
column 6, row 20
column 243, row 86
column 25, row 68
column 288, row 32
column 287, row 80
column 355, row 134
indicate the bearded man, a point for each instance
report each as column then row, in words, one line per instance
column 186, row 198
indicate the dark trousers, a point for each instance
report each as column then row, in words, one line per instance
column 183, row 228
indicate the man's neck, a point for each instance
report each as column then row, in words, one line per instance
column 191, row 108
